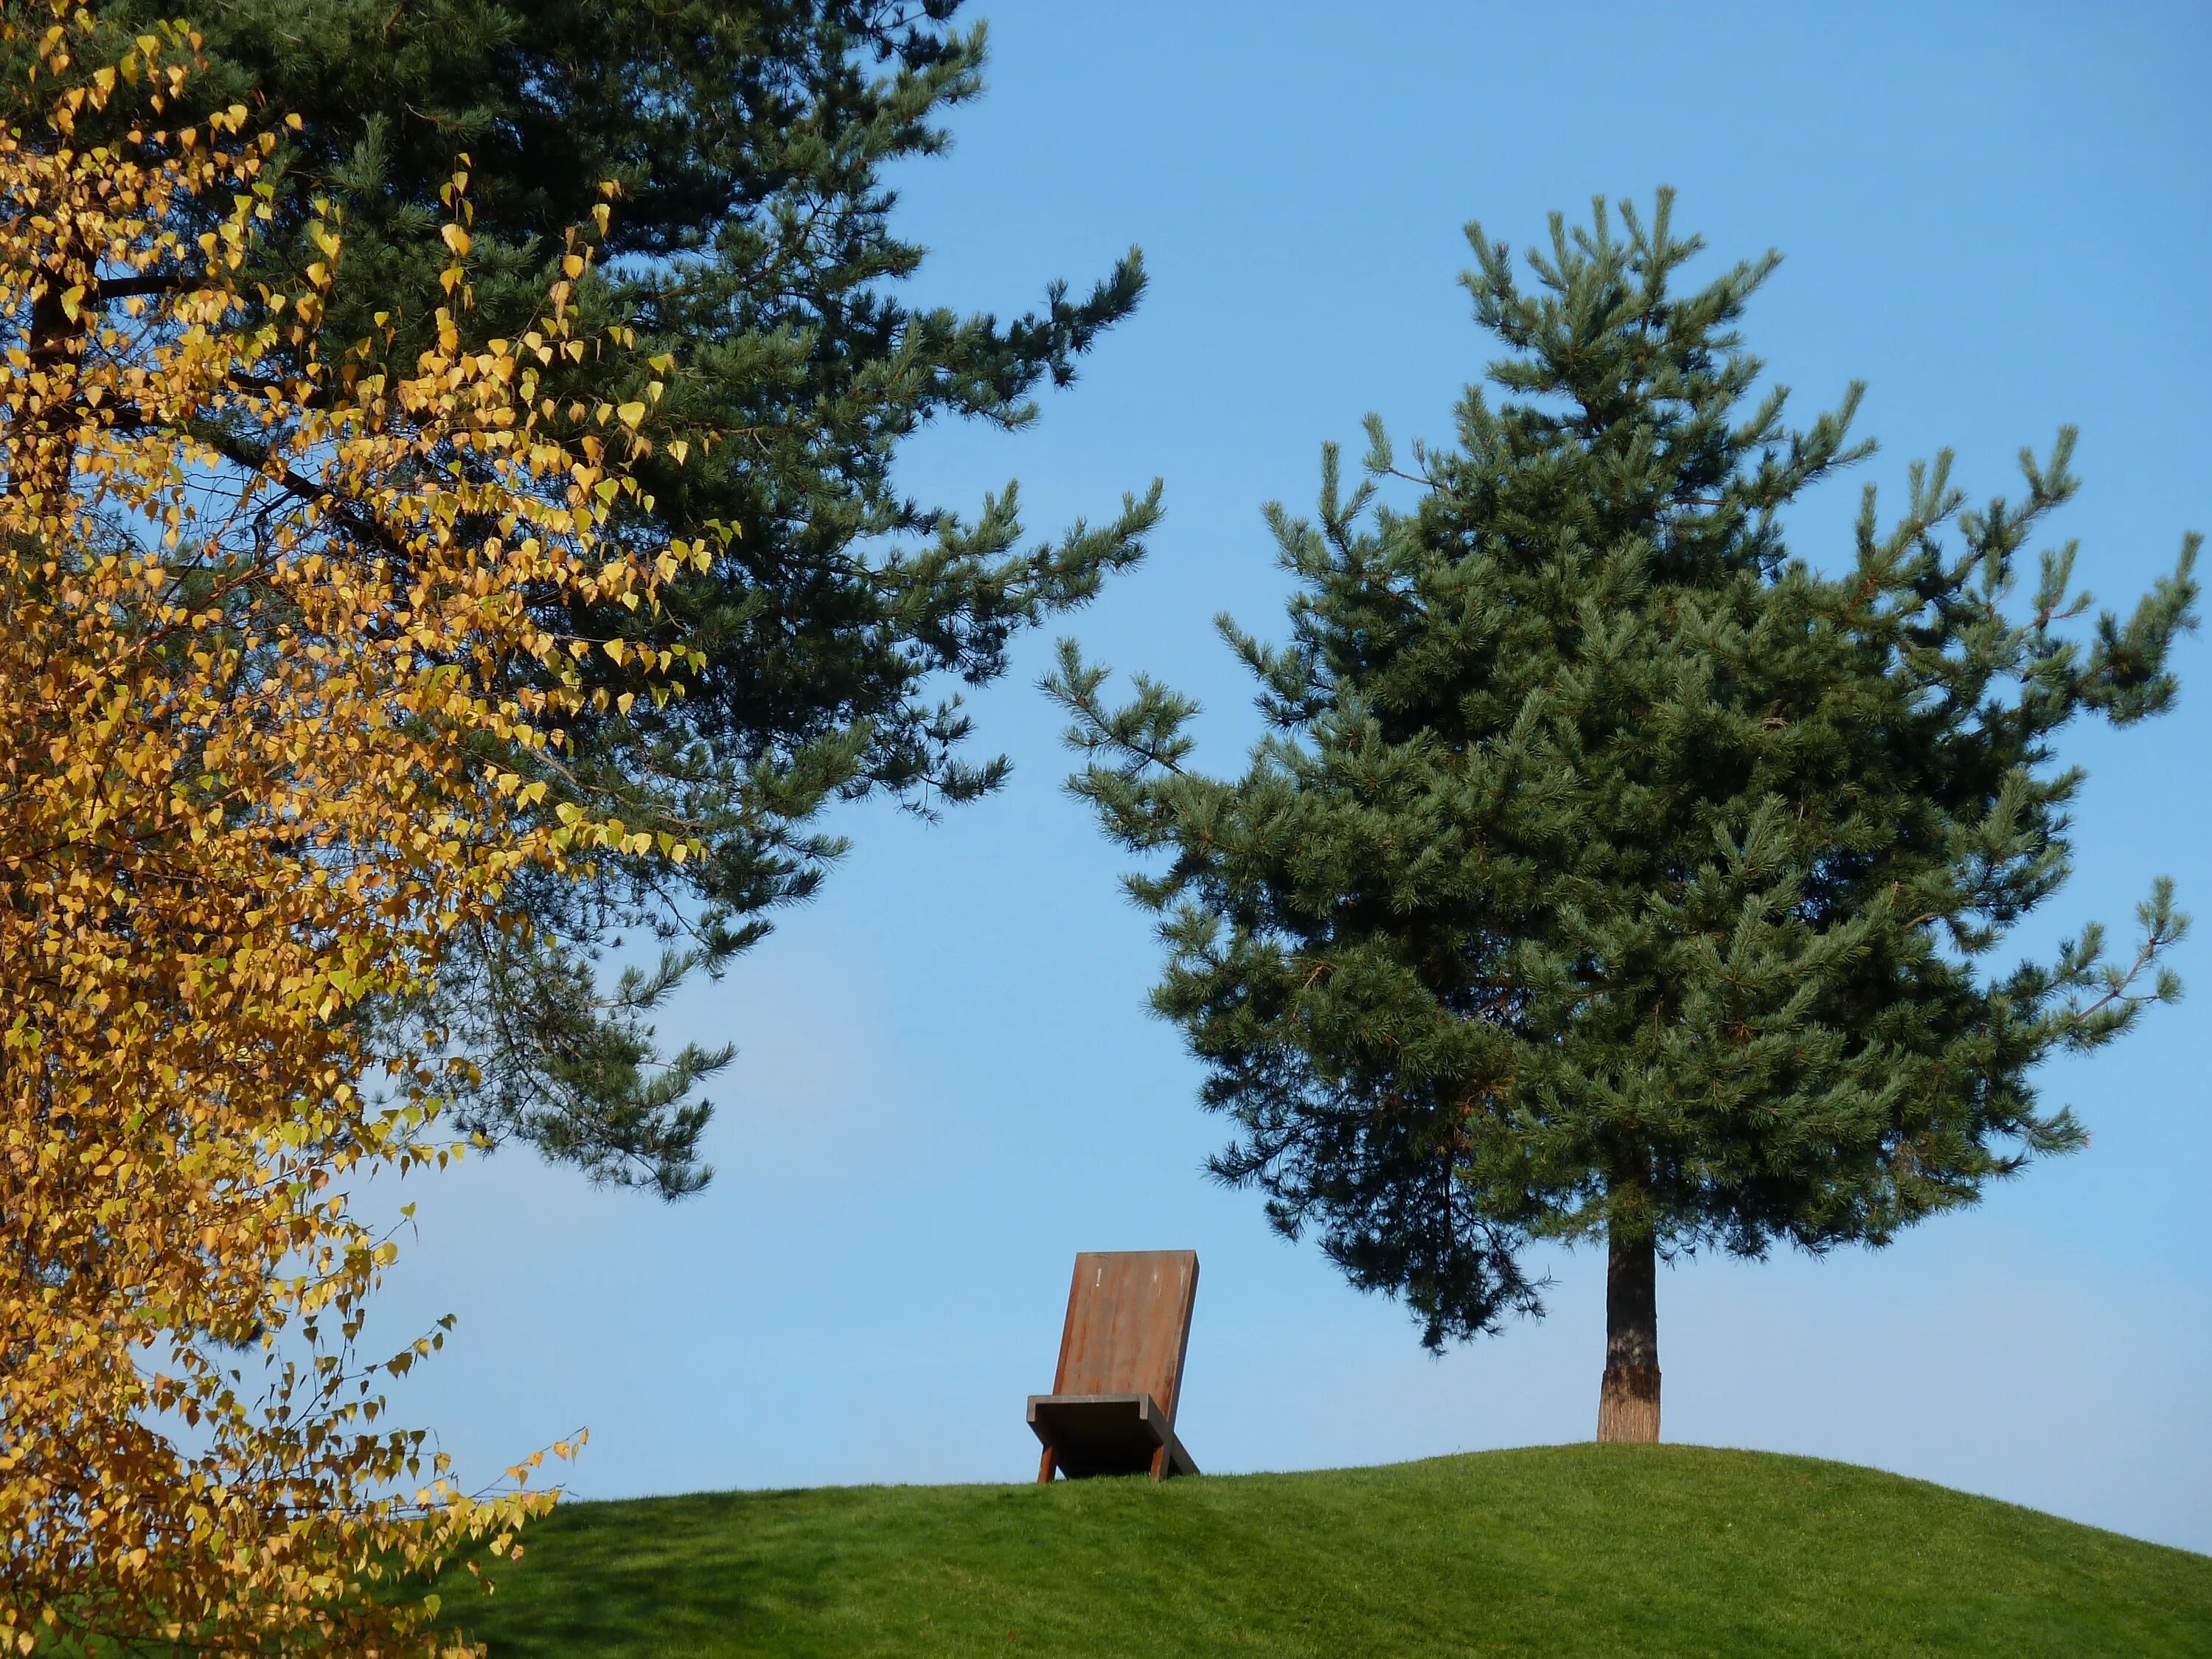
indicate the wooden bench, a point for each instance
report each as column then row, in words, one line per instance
column 1112, row 1407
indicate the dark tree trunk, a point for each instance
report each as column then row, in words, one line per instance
column 1628, row 1398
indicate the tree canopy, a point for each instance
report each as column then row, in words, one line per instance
column 272, row 739
column 748, row 235
column 1610, row 870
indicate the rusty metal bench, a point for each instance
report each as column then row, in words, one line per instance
column 1112, row 1407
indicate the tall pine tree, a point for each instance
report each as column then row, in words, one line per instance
column 1607, row 872
column 749, row 238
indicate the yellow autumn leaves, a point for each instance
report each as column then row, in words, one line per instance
column 283, row 690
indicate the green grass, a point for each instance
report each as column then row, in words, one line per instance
column 1577, row 1550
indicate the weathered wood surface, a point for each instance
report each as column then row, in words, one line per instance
column 1088, row 1434
column 1114, row 1393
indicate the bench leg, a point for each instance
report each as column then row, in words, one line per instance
column 1046, row 1465
column 1159, row 1464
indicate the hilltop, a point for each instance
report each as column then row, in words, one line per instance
column 1576, row 1550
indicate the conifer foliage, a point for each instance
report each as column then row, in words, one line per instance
column 751, row 238
column 1610, row 873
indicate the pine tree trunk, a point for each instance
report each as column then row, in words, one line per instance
column 1628, row 1398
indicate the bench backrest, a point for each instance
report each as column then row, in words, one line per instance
column 1128, row 1324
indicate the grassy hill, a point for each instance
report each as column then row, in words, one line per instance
column 1574, row 1551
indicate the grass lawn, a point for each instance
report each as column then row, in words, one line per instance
column 1574, row 1550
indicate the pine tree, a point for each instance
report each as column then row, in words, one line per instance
column 1608, row 872
column 748, row 241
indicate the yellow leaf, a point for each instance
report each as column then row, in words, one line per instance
column 218, row 848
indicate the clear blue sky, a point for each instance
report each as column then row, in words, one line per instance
column 1999, row 215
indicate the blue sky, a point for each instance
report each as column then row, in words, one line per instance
column 1999, row 216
